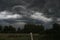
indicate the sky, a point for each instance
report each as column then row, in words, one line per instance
column 20, row 12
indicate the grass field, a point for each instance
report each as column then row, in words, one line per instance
column 4, row 36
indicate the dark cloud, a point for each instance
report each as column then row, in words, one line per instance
column 26, row 8
column 46, row 5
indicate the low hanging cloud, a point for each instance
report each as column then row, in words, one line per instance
column 36, row 16
column 21, row 9
column 9, row 15
column 47, row 22
column 40, row 16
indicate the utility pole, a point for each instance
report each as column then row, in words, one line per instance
column 31, row 36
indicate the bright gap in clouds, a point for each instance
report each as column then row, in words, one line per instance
column 9, row 15
column 41, row 17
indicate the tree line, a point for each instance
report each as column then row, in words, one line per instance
column 27, row 29
column 50, row 34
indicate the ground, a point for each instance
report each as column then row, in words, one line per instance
column 10, row 36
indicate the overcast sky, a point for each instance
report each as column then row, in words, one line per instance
column 24, row 11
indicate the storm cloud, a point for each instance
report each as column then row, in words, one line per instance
column 44, row 12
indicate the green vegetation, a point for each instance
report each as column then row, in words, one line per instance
column 27, row 29
column 17, row 36
column 10, row 33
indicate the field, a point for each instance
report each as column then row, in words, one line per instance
column 7, row 36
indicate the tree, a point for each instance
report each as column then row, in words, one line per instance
column 56, row 27
column 0, row 28
column 33, row 28
column 19, row 30
column 11, row 29
column 5, row 30
column 53, row 34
